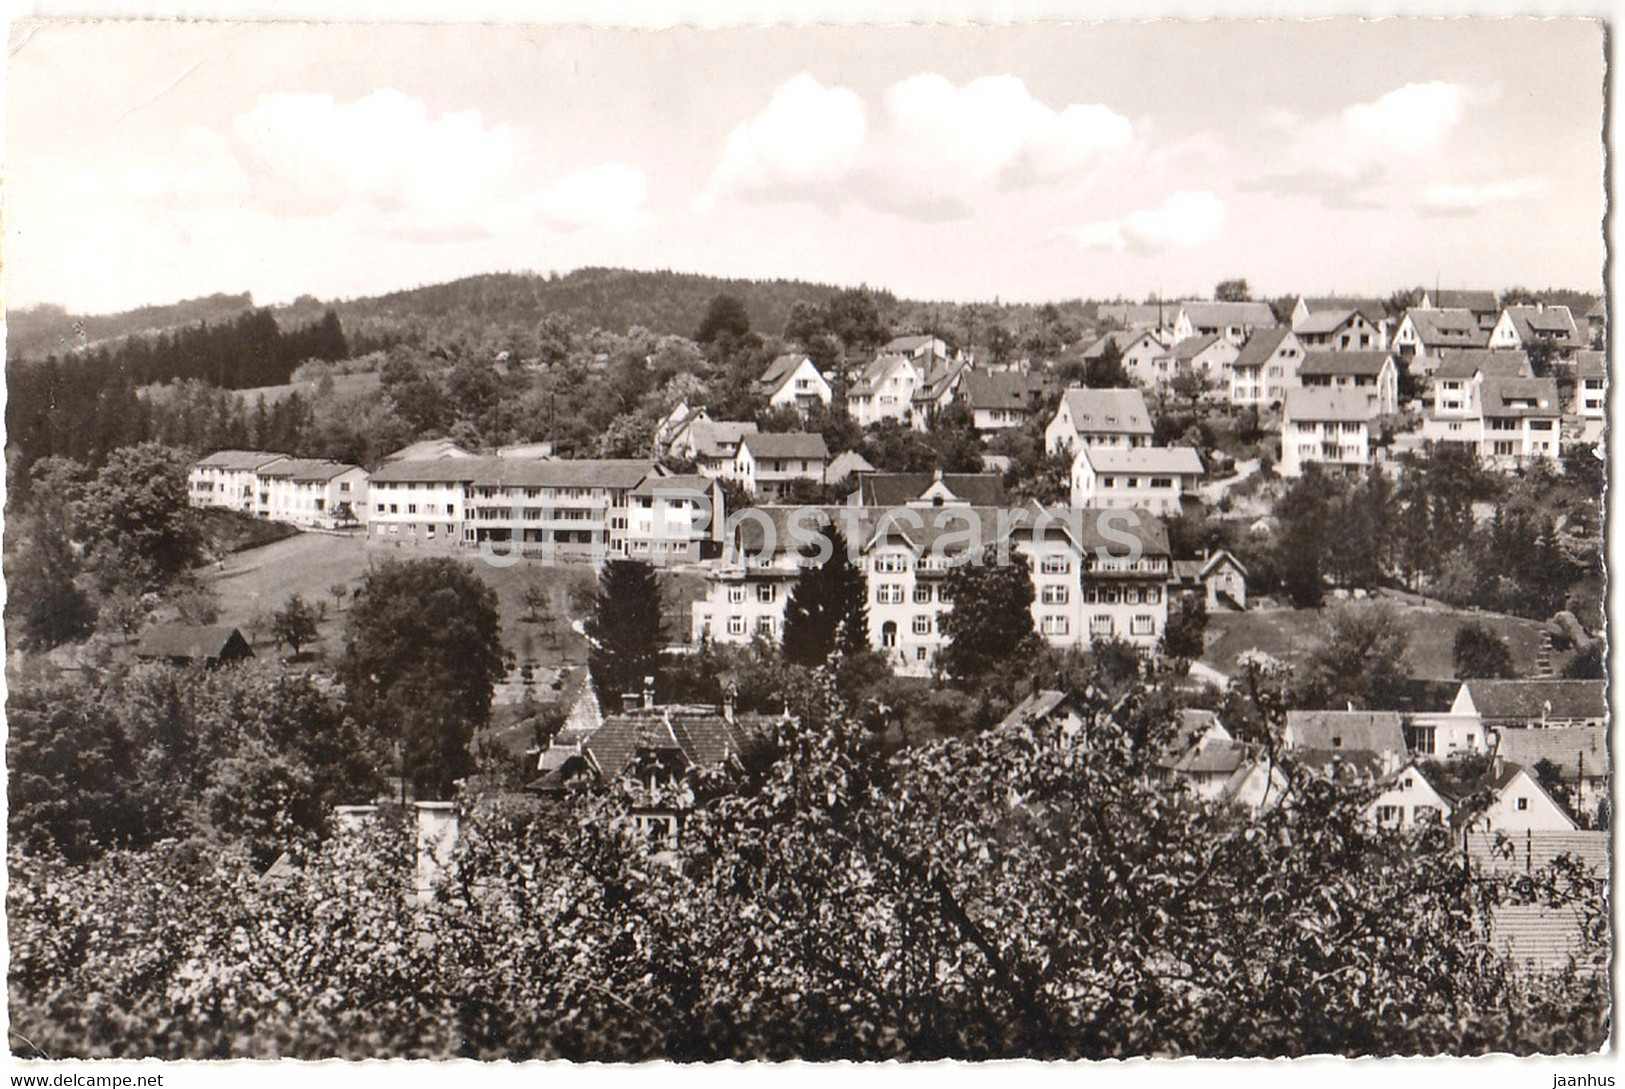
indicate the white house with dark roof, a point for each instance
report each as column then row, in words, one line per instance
column 1153, row 478
column 1424, row 333
column 1373, row 310
column 675, row 518
column 918, row 346
column 793, row 381
column 1591, row 394
column 710, row 444
column 1578, row 754
column 1375, row 374
column 575, row 507
column 1520, row 803
column 1407, row 799
column 311, row 492
column 1367, row 740
column 1333, row 427
column 1521, row 420
column 1457, row 406
column 885, row 390
column 1218, row 576
column 769, row 462
column 1233, row 321
column 1479, row 302
column 999, row 401
column 420, row 502
column 227, row 478
column 1526, row 326
column 1266, row 367
column 1099, row 417
column 938, row 388
column 1340, row 331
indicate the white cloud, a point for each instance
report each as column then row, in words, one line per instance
column 1413, row 120
column 1449, row 199
column 937, row 147
column 802, row 144
column 1345, row 158
column 1185, row 219
column 609, row 196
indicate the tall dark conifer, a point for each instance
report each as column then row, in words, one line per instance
column 828, row 607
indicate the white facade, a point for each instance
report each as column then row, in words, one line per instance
column 1408, row 800
column 1156, row 479
column 1522, row 805
column 1332, row 427
column 312, row 493
column 1105, row 418
column 228, row 479
column 885, row 392
column 797, row 384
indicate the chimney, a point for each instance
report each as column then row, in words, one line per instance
column 936, row 476
column 729, row 693
column 648, row 693
column 629, row 702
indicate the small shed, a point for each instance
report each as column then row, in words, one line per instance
column 193, row 644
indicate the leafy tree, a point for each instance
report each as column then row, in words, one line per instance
column 853, row 315
column 422, row 652
column 1300, row 542
column 1358, row 659
column 295, row 624
column 725, row 318
column 1589, row 663
column 990, row 627
column 135, row 516
column 1187, row 626
column 1479, row 652
column 625, row 629
column 338, row 591
column 983, row 897
column 45, row 605
column 827, row 609
column 538, row 602
column 1233, row 291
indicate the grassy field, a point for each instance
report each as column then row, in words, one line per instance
column 344, row 385
column 255, row 583
column 1285, row 633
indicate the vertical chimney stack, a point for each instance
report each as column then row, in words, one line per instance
column 648, row 693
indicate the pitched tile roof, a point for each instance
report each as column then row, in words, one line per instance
column 786, row 444
column 779, row 371
column 1363, row 364
column 1571, row 748
column 1261, row 346
column 1341, row 731
column 676, row 484
column 1466, row 362
column 1350, row 405
column 1465, row 299
column 1005, row 390
column 1208, row 315
column 1188, row 349
column 1555, row 322
column 718, row 438
column 1182, row 460
column 194, row 642
column 1125, row 339
column 442, row 470
column 1454, row 328
column 240, row 459
column 875, row 373
column 1589, row 364
column 1538, row 939
column 700, row 737
column 1324, row 321
column 429, row 448
column 845, row 464
column 1113, row 411
column 1530, row 699
column 1520, row 397
column 1373, row 310
column 306, row 470
column 899, row 489
column 560, row 473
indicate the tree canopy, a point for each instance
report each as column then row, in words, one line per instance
column 422, row 651
column 827, row 609
column 625, row 629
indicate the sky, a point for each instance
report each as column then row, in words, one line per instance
column 153, row 162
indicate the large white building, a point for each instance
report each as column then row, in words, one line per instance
column 532, row 505
column 1090, row 582
column 1333, row 427
column 312, row 492
column 227, row 478
column 793, row 381
column 1266, row 367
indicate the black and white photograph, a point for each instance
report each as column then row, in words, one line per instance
column 833, row 542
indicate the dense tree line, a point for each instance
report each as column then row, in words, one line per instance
column 1011, row 894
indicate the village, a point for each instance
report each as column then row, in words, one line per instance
column 859, row 543
column 1341, row 386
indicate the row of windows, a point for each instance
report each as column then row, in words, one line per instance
column 1134, row 482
